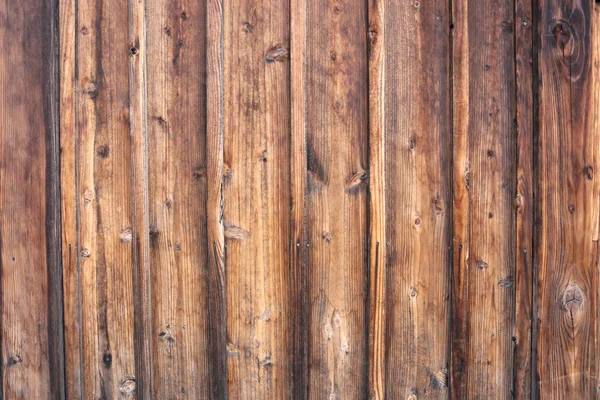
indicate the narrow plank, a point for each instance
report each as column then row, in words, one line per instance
column 29, row 237
column 377, row 215
column 103, row 200
column 460, row 194
column 69, row 200
column 176, row 64
column 568, row 202
column 485, row 176
column 299, row 252
column 522, row 370
column 334, row 100
column 215, row 232
column 139, row 232
column 418, row 197
column 256, row 192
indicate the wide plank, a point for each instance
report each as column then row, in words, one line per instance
column 485, row 188
column 567, row 202
column 256, row 197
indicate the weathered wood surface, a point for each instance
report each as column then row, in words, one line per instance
column 567, row 201
column 299, row 199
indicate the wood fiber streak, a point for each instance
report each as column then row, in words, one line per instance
column 256, row 193
column 377, row 212
column 177, row 170
column 523, row 280
column 485, row 188
column 30, row 339
column 215, row 232
column 417, row 197
column 102, row 289
column 568, row 201
column 331, row 103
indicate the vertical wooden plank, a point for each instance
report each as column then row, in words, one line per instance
column 460, row 194
column 522, row 365
column 416, row 123
column 69, row 200
column 216, row 240
column 103, row 200
column 176, row 59
column 377, row 211
column 568, row 202
column 334, row 100
column 29, row 236
column 485, row 111
column 299, row 251
column 138, row 235
column 256, row 191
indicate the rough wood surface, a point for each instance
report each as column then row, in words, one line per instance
column 31, row 352
column 332, row 99
column 299, row 199
column 102, row 192
column 177, row 170
column 485, row 188
column 418, row 202
column 256, row 192
column 567, row 202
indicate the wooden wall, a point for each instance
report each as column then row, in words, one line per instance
column 299, row 199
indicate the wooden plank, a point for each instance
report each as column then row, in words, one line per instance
column 299, row 252
column 460, row 192
column 102, row 192
column 485, row 228
column 69, row 217
column 177, row 162
column 568, row 202
column 522, row 366
column 331, row 83
column 215, row 232
column 256, row 192
column 31, row 340
column 139, row 232
column 418, row 199
column 377, row 216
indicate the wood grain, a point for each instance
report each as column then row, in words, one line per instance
column 177, row 169
column 30, row 294
column 522, row 363
column 377, row 210
column 256, row 192
column 418, row 202
column 568, row 201
column 102, row 192
column 333, row 99
column 485, row 177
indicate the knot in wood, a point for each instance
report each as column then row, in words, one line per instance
column 127, row 387
column 572, row 300
column 276, row 53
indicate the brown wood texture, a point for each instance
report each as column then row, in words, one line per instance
column 341, row 199
column 567, row 202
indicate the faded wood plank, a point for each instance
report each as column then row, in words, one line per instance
column 103, row 201
column 177, row 170
column 568, row 202
column 417, row 140
column 485, row 177
column 331, row 81
column 256, row 192
column 523, row 280
column 30, row 314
